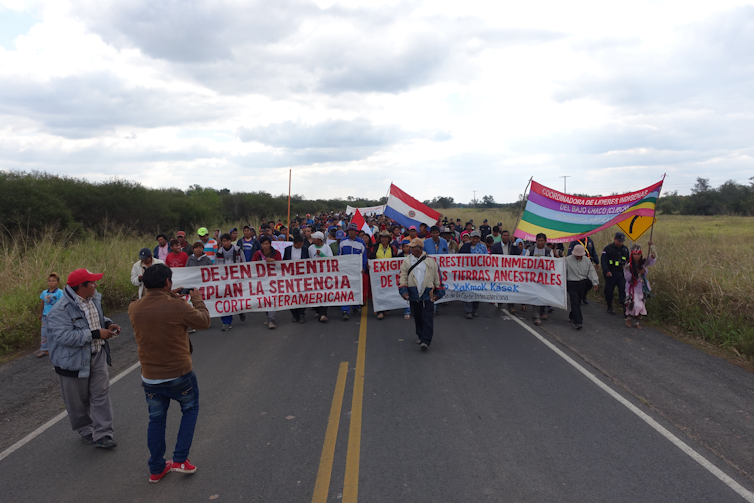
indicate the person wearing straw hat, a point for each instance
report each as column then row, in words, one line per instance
column 580, row 276
column 420, row 285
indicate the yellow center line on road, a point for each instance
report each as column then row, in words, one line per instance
column 351, row 485
column 322, row 486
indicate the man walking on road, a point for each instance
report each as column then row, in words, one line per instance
column 580, row 276
column 77, row 335
column 591, row 254
column 137, row 271
column 614, row 257
column 419, row 284
column 161, row 321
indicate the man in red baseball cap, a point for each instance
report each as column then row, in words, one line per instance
column 185, row 245
column 77, row 335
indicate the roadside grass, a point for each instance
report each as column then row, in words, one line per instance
column 703, row 280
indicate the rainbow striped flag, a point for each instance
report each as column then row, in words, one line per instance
column 565, row 218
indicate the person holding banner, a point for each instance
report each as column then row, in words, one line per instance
column 353, row 245
column 319, row 249
column 539, row 249
column 297, row 252
column 580, row 276
column 419, row 284
column 475, row 246
column 267, row 254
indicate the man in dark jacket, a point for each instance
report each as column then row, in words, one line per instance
column 614, row 257
column 505, row 246
column 77, row 336
column 297, row 252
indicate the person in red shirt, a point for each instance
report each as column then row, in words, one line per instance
column 177, row 257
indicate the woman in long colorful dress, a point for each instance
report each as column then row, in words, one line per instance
column 638, row 289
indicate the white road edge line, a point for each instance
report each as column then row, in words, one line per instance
column 742, row 491
column 31, row 436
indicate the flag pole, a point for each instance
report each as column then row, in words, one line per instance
column 652, row 230
column 288, row 230
column 521, row 208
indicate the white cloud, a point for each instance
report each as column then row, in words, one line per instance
column 440, row 97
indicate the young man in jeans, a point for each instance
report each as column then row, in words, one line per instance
column 161, row 320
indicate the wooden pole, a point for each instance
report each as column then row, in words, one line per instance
column 288, row 231
column 652, row 229
column 521, row 208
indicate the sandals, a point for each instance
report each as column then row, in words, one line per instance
column 43, row 353
column 537, row 322
column 406, row 316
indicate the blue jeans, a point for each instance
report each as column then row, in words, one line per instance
column 227, row 320
column 43, row 346
column 185, row 391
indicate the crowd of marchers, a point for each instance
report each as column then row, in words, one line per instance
column 75, row 331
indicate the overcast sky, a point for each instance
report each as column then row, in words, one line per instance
column 441, row 98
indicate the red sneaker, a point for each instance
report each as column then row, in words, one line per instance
column 185, row 467
column 156, row 477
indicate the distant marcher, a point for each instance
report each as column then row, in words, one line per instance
column 163, row 247
column 496, row 236
column 335, row 245
column 580, row 275
column 210, row 245
column 638, row 289
column 475, row 246
column 485, row 230
column 614, row 258
column 505, row 247
column 229, row 253
column 198, row 258
column 49, row 298
column 405, row 252
column 591, row 254
column 452, row 243
column 161, row 321
column 137, row 271
column 297, row 251
column 77, row 336
column 233, row 234
column 266, row 254
column 383, row 250
column 216, row 236
column 353, row 245
column 419, row 284
column 319, row 249
column 177, row 257
column 539, row 249
column 185, row 245
column 248, row 243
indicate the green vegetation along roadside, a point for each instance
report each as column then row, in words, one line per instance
column 703, row 280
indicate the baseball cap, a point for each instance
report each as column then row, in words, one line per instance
column 145, row 253
column 340, row 235
column 412, row 228
column 476, row 233
column 483, row 220
column 620, row 236
column 405, row 242
column 180, row 234
column 202, row 231
column 578, row 251
column 416, row 242
column 319, row 235
column 81, row 275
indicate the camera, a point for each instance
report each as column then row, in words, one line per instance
column 186, row 291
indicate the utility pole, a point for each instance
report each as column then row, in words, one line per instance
column 474, row 191
column 564, row 183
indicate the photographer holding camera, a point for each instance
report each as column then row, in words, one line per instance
column 161, row 320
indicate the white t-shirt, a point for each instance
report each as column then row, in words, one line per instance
column 537, row 252
column 325, row 249
column 419, row 272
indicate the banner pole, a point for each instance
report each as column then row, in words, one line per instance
column 288, row 230
column 652, row 230
column 521, row 208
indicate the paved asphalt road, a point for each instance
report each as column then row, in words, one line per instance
column 489, row 413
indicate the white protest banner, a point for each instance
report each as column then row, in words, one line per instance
column 384, row 275
column 513, row 279
column 281, row 245
column 273, row 286
column 368, row 210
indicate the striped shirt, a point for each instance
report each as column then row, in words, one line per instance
column 210, row 249
column 92, row 317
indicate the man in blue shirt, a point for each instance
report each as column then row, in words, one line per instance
column 435, row 245
column 353, row 245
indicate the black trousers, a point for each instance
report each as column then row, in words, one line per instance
column 577, row 291
column 298, row 313
column 617, row 280
column 423, row 313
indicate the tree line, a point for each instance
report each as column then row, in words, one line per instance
column 730, row 198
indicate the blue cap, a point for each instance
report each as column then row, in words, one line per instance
column 405, row 242
column 145, row 253
column 340, row 235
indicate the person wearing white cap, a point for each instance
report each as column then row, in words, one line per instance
column 319, row 249
column 580, row 275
